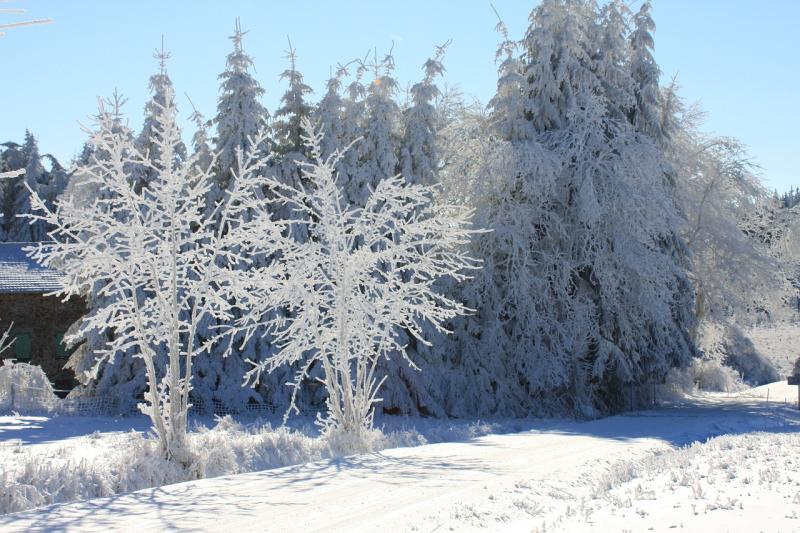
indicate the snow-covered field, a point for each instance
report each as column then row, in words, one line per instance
column 624, row 472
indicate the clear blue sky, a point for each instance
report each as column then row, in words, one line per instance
column 738, row 57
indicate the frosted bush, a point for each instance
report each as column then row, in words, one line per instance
column 129, row 462
column 25, row 389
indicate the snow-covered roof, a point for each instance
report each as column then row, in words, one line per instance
column 20, row 273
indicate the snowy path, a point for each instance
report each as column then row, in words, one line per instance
column 512, row 482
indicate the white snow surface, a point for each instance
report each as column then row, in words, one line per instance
column 630, row 471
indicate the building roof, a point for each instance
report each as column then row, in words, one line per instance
column 19, row 273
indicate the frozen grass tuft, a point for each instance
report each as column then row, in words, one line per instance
column 101, row 465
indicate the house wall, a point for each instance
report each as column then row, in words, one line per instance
column 41, row 319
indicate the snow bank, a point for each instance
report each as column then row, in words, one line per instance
column 730, row 483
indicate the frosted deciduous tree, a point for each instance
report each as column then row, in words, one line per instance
column 9, row 25
column 365, row 274
column 717, row 191
column 123, row 376
column 166, row 265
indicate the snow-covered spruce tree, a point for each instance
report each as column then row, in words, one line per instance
column 240, row 115
column 365, row 274
column 239, row 120
column 353, row 127
column 34, row 178
column 616, row 212
column 612, row 59
column 287, row 128
column 577, row 294
column 329, row 113
column 507, row 107
column 166, row 264
column 201, row 148
column 646, row 114
column 513, row 348
column 419, row 160
column 380, row 131
column 162, row 90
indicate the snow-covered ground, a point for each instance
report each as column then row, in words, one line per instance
column 601, row 475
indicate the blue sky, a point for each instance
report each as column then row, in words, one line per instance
column 738, row 57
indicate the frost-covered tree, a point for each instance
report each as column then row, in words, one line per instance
column 419, row 159
column 34, row 178
column 329, row 113
column 645, row 72
column 578, row 295
column 162, row 90
column 717, row 192
column 508, row 105
column 367, row 272
column 612, row 59
column 379, row 149
column 166, row 265
column 287, row 129
column 558, row 64
column 239, row 120
column 293, row 108
column 200, row 142
column 240, row 114
column 123, row 376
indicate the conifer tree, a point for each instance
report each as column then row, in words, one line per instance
column 613, row 59
column 239, row 121
column 200, row 143
column 645, row 72
column 35, row 177
column 419, row 159
column 161, row 89
column 287, row 128
column 240, row 114
column 378, row 157
column 507, row 107
column 329, row 114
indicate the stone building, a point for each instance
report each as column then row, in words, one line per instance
column 38, row 321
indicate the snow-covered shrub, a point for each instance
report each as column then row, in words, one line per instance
column 726, row 345
column 713, row 375
column 25, row 389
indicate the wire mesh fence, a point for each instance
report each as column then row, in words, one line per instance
column 25, row 389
